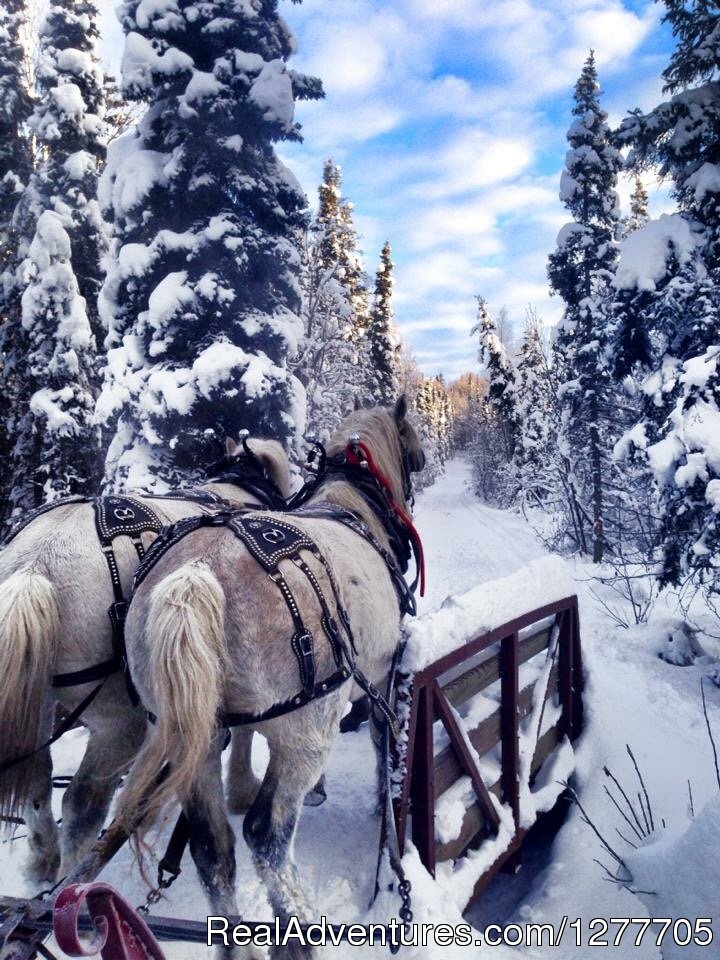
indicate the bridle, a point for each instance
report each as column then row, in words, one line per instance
column 357, row 454
column 356, row 465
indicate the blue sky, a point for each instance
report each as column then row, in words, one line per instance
column 448, row 118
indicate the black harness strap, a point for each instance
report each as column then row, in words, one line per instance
column 17, row 524
column 205, row 498
column 115, row 516
column 328, row 621
column 330, row 511
column 61, row 729
column 121, row 516
column 270, row 541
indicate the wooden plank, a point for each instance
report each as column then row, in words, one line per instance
column 485, row 736
column 422, row 786
column 461, row 688
column 465, row 757
column 509, row 725
column 467, row 651
column 474, row 823
column 545, row 746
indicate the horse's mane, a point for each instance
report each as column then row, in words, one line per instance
column 378, row 430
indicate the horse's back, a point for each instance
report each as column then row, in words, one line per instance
column 261, row 666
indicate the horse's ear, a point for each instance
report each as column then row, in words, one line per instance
column 357, row 405
column 400, row 408
column 230, row 446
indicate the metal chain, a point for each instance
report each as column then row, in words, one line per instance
column 155, row 893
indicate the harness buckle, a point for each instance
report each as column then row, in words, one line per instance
column 118, row 611
column 305, row 642
column 303, row 645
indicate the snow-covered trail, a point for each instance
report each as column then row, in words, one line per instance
column 632, row 697
column 465, row 541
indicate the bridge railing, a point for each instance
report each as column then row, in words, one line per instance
column 440, row 694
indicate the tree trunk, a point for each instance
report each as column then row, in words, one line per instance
column 597, row 491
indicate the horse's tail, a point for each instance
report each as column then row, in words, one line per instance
column 185, row 641
column 29, row 625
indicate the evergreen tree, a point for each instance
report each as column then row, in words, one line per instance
column 536, row 440
column 56, row 446
column 68, row 123
column 203, row 295
column 639, row 215
column 56, row 449
column 338, row 248
column 678, row 324
column 15, row 169
column 333, row 362
column 383, row 341
column 501, row 395
column 580, row 271
column 15, row 109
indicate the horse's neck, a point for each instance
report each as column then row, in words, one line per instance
column 343, row 494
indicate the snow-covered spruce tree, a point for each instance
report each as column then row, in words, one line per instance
column 580, row 270
column 677, row 434
column 639, row 214
column 536, row 438
column 68, row 123
column 495, row 433
column 203, row 295
column 56, row 450
column 383, row 340
column 333, row 361
column 339, row 247
column 15, row 169
column 501, row 395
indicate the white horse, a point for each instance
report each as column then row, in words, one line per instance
column 209, row 633
column 55, row 591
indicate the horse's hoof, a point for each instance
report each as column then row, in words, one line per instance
column 316, row 796
column 359, row 714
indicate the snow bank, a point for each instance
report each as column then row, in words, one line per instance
column 680, row 877
column 485, row 607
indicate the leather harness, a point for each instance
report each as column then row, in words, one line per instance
column 270, row 541
column 118, row 516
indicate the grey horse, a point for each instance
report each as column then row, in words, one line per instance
column 55, row 591
column 209, row 633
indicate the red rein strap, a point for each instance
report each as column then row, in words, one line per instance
column 352, row 456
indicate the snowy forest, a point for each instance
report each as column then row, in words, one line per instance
column 167, row 282
column 164, row 284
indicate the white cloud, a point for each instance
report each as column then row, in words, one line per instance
column 350, row 58
column 448, row 117
column 613, row 31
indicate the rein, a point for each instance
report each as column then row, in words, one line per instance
column 358, row 454
column 355, row 465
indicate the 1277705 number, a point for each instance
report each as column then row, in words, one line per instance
column 604, row 933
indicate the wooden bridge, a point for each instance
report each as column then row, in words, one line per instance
column 440, row 694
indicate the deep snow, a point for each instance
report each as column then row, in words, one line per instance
column 631, row 697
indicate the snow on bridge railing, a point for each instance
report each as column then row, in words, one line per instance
column 493, row 701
